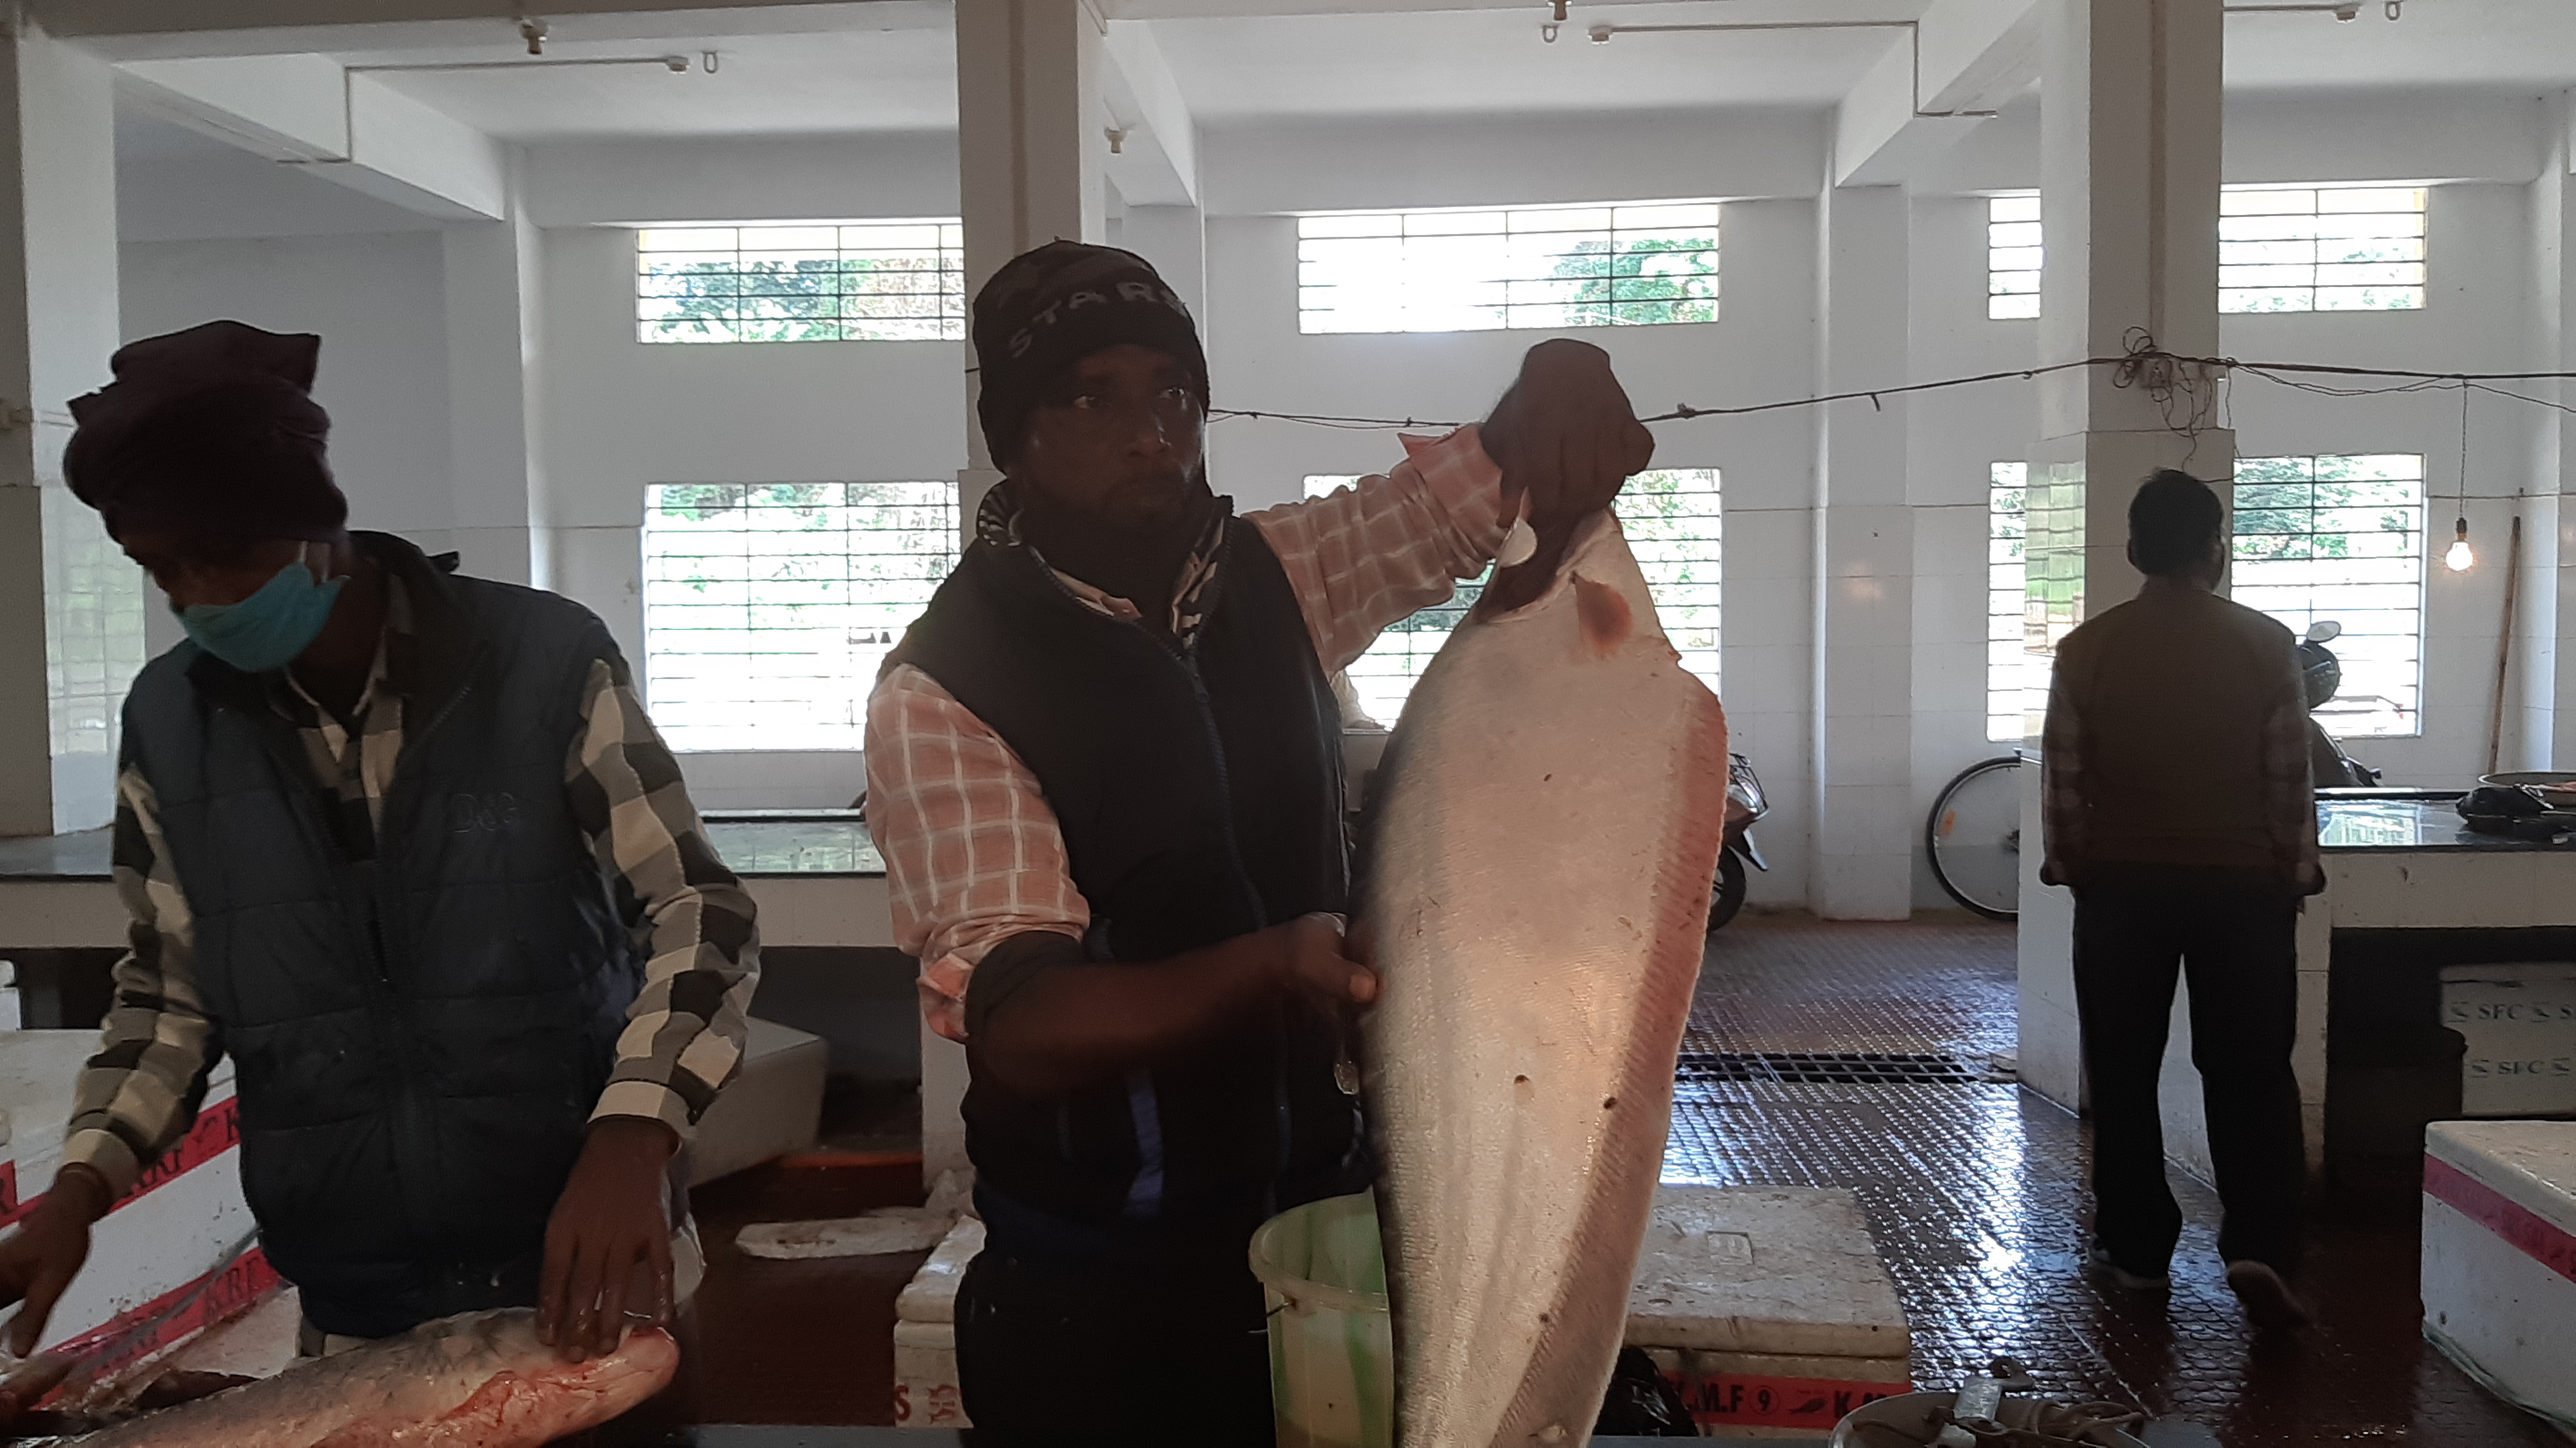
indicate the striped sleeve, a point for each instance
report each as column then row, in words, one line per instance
column 684, row 1035
column 2289, row 782
column 2063, row 782
column 1361, row 558
column 973, row 852
column 139, row 1094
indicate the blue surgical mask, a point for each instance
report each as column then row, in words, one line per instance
column 268, row 629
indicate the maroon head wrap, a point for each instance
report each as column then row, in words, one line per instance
column 210, row 431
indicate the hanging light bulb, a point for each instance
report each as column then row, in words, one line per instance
column 2459, row 556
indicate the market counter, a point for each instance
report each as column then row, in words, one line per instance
column 2423, row 925
column 815, row 874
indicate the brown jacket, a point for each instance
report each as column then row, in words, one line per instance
column 2177, row 735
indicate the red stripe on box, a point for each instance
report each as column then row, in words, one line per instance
column 2533, row 1235
column 1750, row 1401
column 218, row 1130
column 140, row 1332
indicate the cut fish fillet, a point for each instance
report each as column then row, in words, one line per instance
column 1549, row 824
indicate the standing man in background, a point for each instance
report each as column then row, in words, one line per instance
column 2178, row 808
column 404, row 845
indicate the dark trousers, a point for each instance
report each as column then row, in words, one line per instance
column 1051, row 1353
column 2239, row 947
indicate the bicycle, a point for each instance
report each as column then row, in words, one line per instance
column 1973, row 837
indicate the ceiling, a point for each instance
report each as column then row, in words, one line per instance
column 892, row 77
column 890, row 65
column 2478, row 44
column 1464, row 61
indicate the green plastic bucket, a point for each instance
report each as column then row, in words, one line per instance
column 1332, row 1351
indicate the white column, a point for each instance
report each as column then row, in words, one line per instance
column 2549, row 522
column 492, row 368
column 1031, row 142
column 2129, row 174
column 1862, row 868
column 71, row 607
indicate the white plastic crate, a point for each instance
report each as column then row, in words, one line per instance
column 2520, row 1022
column 1770, row 1309
column 2499, row 1257
column 167, row 1260
column 925, row 1334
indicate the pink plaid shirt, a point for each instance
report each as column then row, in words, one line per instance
column 973, row 853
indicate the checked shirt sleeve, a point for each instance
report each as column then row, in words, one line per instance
column 139, row 1094
column 2065, row 801
column 973, row 853
column 2289, row 785
column 684, row 1035
column 1362, row 557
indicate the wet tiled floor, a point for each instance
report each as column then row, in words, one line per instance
column 1975, row 1193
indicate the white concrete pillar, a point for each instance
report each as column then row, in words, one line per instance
column 1031, row 143
column 1174, row 239
column 71, row 607
column 2130, row 101
column 493, row 314
column 2549, row 522
column 1863, row 840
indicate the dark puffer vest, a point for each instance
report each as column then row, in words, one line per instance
column 418, row 1039
column 1199, row 790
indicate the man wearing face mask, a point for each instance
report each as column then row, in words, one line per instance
column 405, row 846
column 1105, row 771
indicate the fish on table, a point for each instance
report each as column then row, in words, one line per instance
column 479, row 1380
column 1547, row 824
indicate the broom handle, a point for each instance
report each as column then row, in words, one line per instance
column 2504, row 642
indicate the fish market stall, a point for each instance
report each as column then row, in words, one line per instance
column 2437, row 979
column 816, row 876
column 173, row 1255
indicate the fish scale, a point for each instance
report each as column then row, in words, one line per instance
column 1548, row 826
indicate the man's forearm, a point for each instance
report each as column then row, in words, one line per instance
column 1067, row 1022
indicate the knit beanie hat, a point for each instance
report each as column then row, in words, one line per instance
column 211, row 431
column 1049, row 308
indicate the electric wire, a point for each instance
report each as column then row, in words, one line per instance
column 2189, row 390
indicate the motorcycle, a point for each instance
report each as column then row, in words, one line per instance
column 1745, row 804
column 2321, row 675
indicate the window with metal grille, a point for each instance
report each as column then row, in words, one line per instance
column 2342, row 538
column 2009, row 668
column 2321, row 249
column 2012, row 256
column 870, row 281
column 1545, row 266
column 1673, row 524
column 769, row 606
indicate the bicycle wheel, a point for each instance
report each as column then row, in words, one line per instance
column 1974, row 837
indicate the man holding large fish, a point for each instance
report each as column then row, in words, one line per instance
column 403, row 844
column 1105, row 771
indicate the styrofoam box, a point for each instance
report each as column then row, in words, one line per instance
column 2499, row 1257
column 168, row 1236
column 2520, row 1021
column 1769, row 1307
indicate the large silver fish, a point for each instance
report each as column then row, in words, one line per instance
column 1549, row 823
column 476, row 1381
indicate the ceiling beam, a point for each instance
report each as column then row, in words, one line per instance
column 311, row 112
column 1962, row 59
column 164, row 29
column 1155, row 161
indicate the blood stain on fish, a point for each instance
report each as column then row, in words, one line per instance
column 1607, row 621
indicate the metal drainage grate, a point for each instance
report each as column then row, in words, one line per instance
column 1836, row 1068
